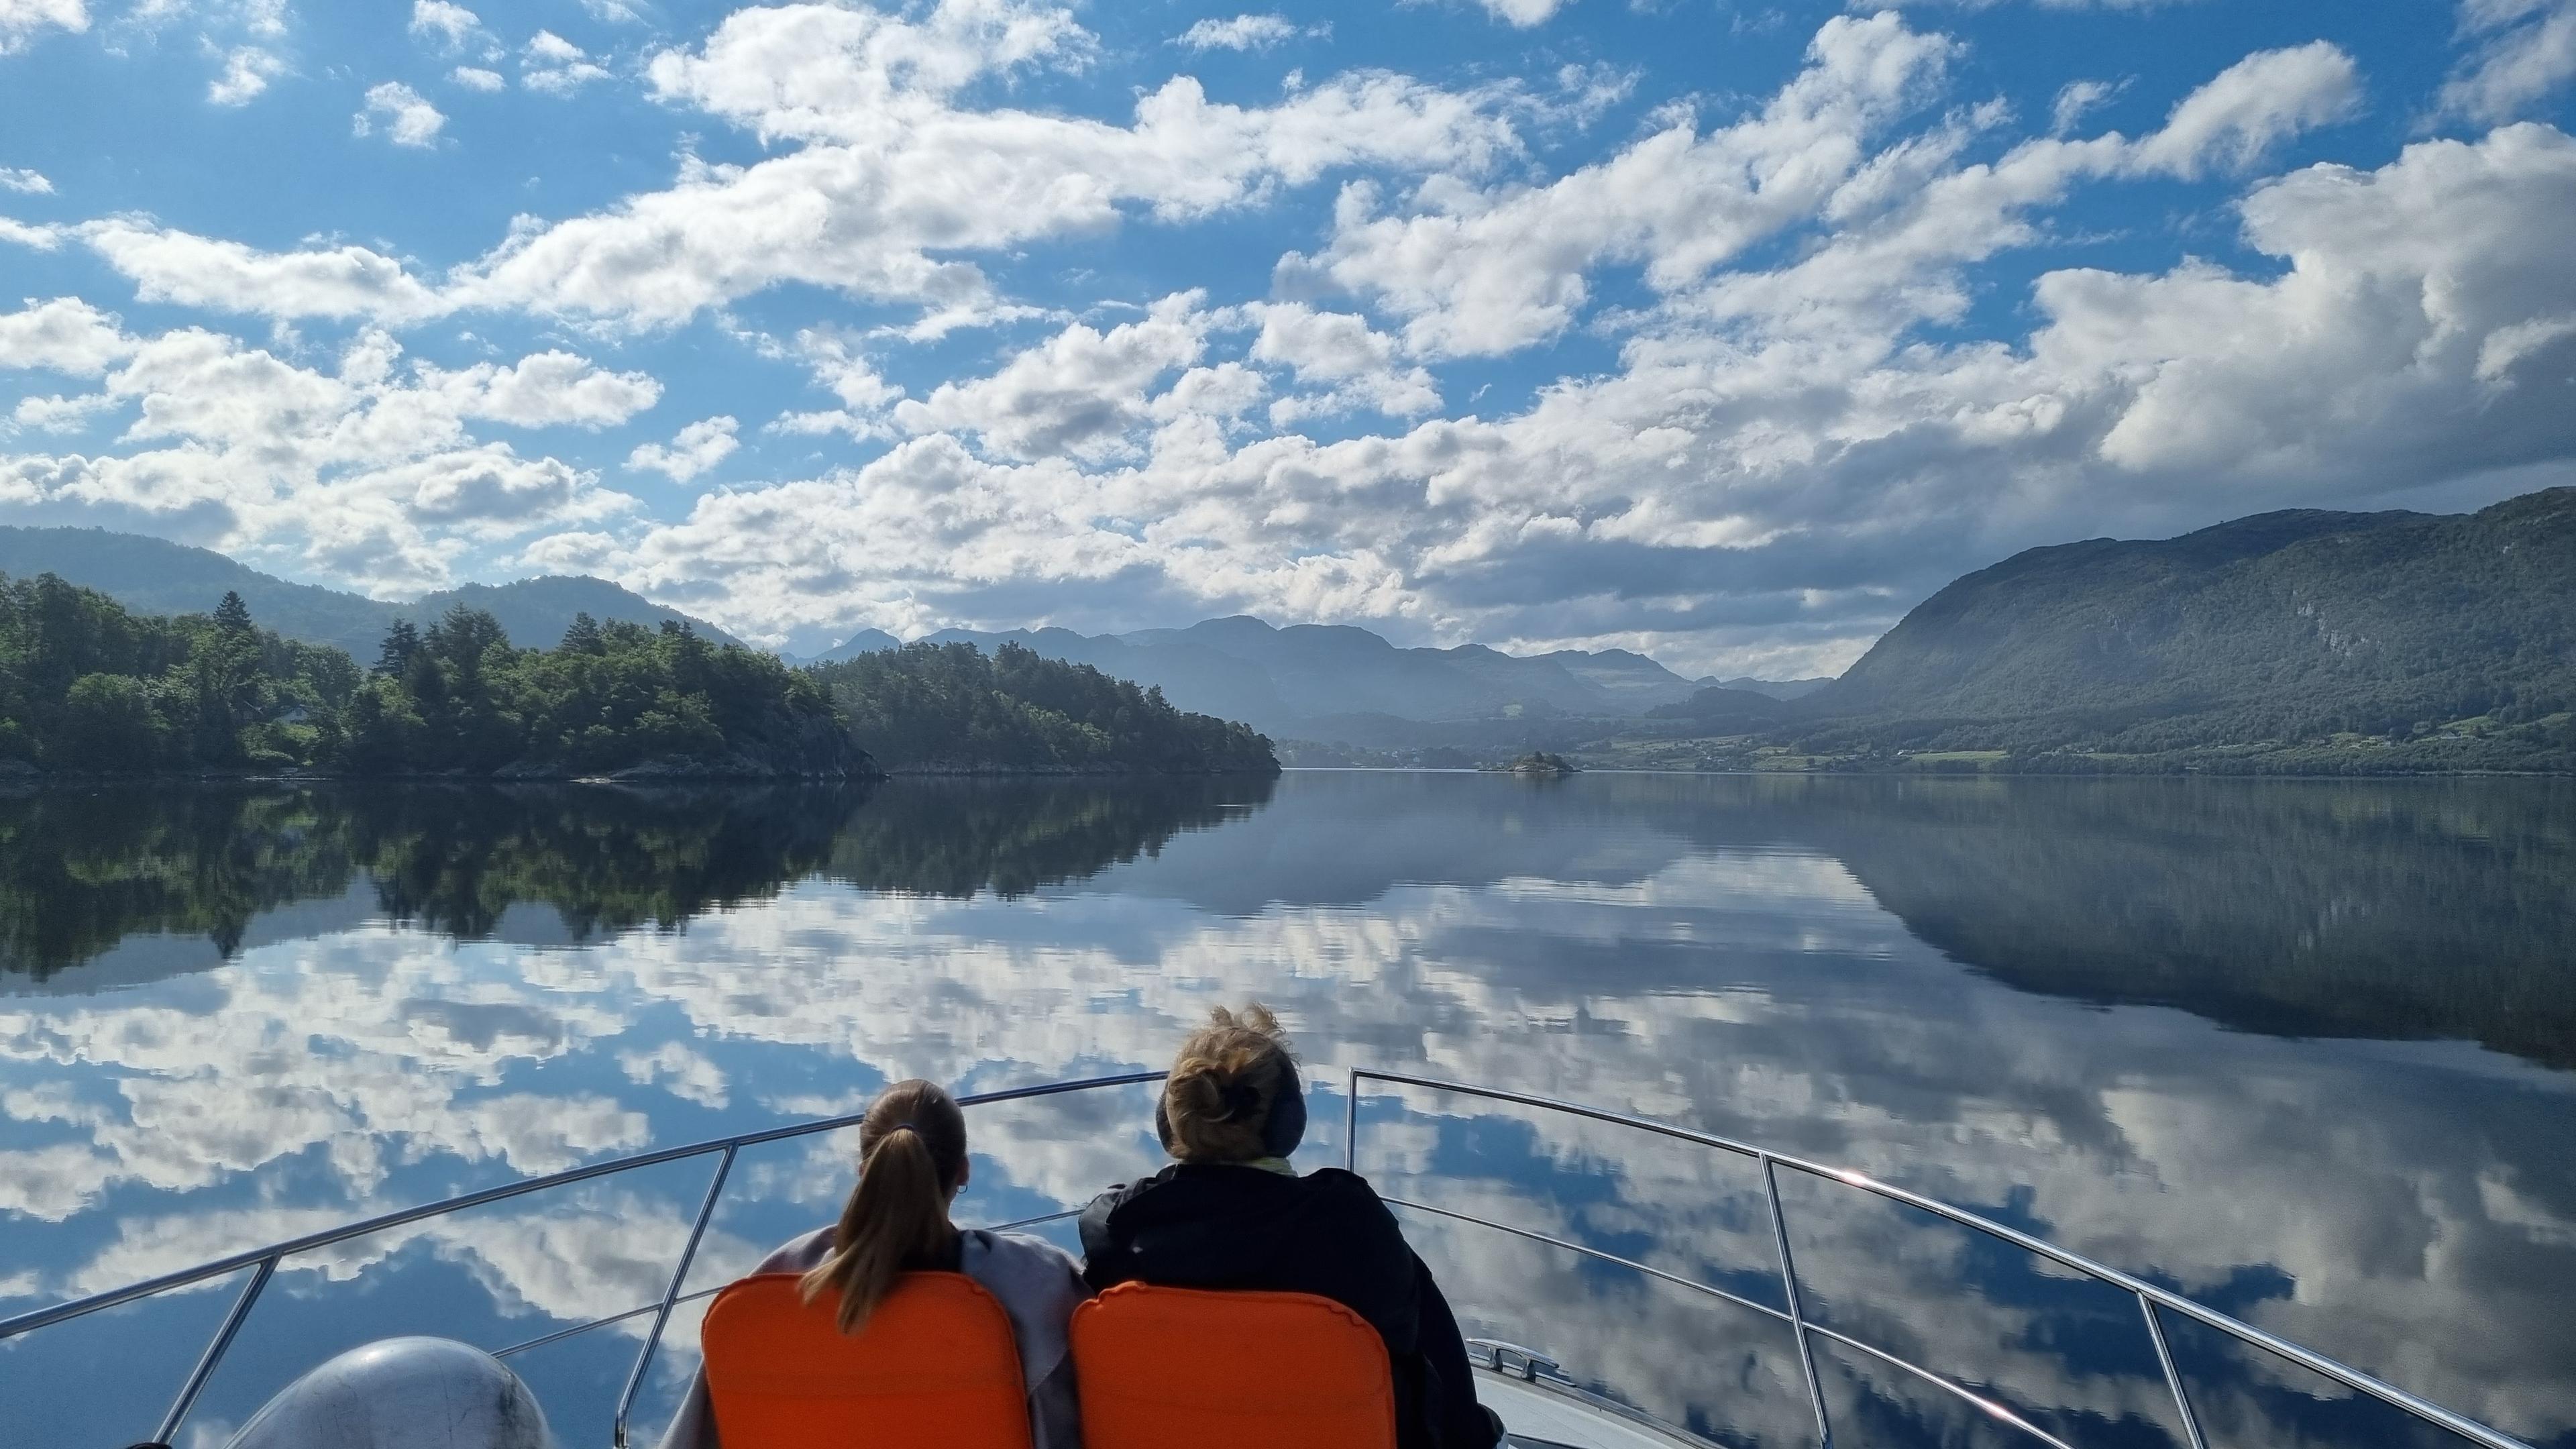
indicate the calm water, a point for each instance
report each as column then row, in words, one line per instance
column 2304, row 1050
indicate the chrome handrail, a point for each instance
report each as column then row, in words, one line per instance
column 2149, row 1296
column 265, row 1260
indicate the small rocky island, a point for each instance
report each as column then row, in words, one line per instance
column 1537, row 763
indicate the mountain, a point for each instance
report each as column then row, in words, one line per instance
column 1783, row 690
column 155, row 576
column 866, row 641
column 1307, row 680
column 2279, row 628
column 535, row 612
column 1723, row 711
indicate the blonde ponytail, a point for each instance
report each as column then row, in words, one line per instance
column 912, row 1156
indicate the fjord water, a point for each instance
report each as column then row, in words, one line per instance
column 2304, row 1050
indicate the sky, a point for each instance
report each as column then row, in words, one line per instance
column 1719, row 329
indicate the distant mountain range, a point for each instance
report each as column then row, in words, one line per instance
column 1334, row 681
column 155, row 576
column 2282, row 627
column 1325, row 681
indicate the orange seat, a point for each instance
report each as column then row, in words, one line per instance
column 1183, row 1368
column 935, row 1365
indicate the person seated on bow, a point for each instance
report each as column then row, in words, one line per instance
column 1231, row 1212
column 912, row 1165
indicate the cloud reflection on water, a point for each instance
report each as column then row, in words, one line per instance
column 1749, row 957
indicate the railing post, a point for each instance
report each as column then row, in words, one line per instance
column 215, row 1348
column 679, row 1276
column 1797, row 1313
column 1351, row 1124
column 2173, row 1379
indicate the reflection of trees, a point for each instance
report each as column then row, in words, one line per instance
column 83, row 870
column 959, row 837
column 607, row 860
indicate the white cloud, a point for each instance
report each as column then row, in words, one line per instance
column 1242, row 32
column 1353, row 364
column 408, row 119
column 2076, row 100
column 1523, row 13
column 362, row 474
column 25, row 182
column 554, row 66
column 247, row 71
column 175, row 266
column 2251, row 106
column 64, row 335
column 21, row 20
column 476, row 78
column 1479, row 272
column 614, row 12
column 2525, row 50
column 546, row 389
column 892, row 171
column 1079, row 393
column 698, row 447
column 449, row 24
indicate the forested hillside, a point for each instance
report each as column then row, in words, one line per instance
column 86, row 686
column 2390, row 638
column 937, row 708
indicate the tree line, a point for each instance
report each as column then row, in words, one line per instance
column 86, row 686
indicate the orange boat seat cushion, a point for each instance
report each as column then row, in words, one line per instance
column 1184, row 1368
column 935, row 1365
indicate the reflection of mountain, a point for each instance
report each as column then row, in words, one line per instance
column 82, row 872
column 2400, row 909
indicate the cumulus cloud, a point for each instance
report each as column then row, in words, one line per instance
column 2077, row 99
column 2523, row 50
column 554, row 66
column 893, row 177
column 1076, row 394
column 25, row 182
column 407, row 118
column 340, row 282
column 247, row 71
column 2252, row 105
column 1351, row 363
column 366, row 473
column 449, row 24
column 22, row 20
column 1523, row 13
column 64, row 335
column 698, row 447
column 476, row 78
column 1243, row 32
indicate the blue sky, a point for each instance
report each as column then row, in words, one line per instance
column 1726, row 331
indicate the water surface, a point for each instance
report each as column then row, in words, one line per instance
column 2304, row 1050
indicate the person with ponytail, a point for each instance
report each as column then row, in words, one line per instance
column 1231, row 1212
column 912, row 1165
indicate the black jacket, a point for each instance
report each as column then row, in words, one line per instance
column 1326, row 1233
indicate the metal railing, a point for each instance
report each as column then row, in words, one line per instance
column 2149, row 1296
column 264, row 1263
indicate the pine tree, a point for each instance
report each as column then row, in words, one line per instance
column 402, row 641
column 232, row 615
column 583, row 635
